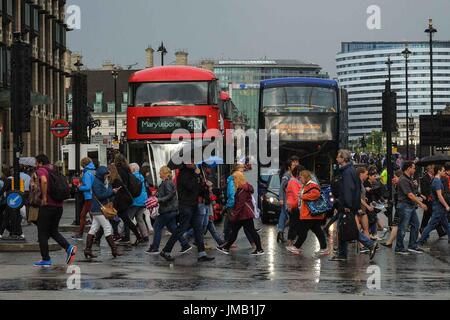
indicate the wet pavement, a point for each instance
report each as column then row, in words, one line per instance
column 276, row 275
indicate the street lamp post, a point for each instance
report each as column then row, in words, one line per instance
column 412, row 127
column 115, row 74
column 406, row 53
column 431, row 30
column 163, row 52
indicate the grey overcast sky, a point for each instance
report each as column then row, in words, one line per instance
column 307, row 30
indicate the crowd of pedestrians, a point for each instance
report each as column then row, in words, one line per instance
column 183, row 204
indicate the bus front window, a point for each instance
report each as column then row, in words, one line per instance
column 299, row 99
column 170, row 93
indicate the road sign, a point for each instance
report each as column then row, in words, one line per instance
column 15, row 200
column 60, row 128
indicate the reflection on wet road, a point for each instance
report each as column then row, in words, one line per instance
column 276, row 275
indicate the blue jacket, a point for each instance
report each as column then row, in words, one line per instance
column 230, row 192
column 349, row 188
column 140, row 201
column 101, row 192
column 87, row 181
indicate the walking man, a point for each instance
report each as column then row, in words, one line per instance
column 407, row 205
column 50, row 214
column 189, row 186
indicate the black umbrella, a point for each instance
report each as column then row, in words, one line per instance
column 192, row 147
column 437, row 159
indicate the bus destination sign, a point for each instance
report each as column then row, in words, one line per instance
column 167, row 125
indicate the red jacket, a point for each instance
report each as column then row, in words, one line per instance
column 243, row 207
column 292, row 191
column 311, row 192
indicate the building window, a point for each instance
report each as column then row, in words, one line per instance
column 99, row 97
column 111, row 107
column 124, row 107
column 9, row 7
column 111, row 123
column 98, row 107
column 125, row 97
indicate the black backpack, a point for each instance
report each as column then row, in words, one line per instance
column 59, row 189
column 135, row 186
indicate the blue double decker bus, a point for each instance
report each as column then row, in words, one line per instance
column 311, row 116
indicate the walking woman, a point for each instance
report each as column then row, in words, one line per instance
column 292, row 191
column 242, row 215
column 310, row 192
column 120, row 177
column 168, row 210
column 100, row 193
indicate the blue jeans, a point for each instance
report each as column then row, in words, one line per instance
column 282, row 219
column 189, row 216
column 439, row 216
column 408, row 217
column 216, row 236
column 203, row 210
column 166, row 220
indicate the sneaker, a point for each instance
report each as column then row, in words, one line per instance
column 1, row 237
column 338, row 258
column 22, row 237
column 373, row 250
column 402, row 252
column 166, row 256
column 224, row 251
column 417, row 250
column 43, row 264
column 293, row 249
column 71, row 252
column 152, row 251
column 257, row 253
column 205, row 259
column 364, row 250
column 77, row 237
column 186, row 250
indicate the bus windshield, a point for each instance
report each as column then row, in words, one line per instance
column 299, row 99
column 169, row 93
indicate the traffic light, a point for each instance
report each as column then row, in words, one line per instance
column 80, row 111
column 389, row 111
column 21, row 82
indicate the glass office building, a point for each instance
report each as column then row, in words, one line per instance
column 362, row 71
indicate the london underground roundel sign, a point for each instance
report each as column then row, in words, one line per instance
column 60, row 128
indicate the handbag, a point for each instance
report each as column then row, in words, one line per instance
column 320, row 206
column 108, row 209
column 33, row 214
column 347, row 228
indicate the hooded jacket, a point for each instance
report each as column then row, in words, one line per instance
column 100, row 190
column 87, row 180
column 349, row 188
column 230, row 192
column 140, row 201
column 243, row 207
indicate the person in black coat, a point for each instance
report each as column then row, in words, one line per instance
column 189, row 186
column 120, row 178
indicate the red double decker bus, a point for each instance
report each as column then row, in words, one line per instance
column 164, row 99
